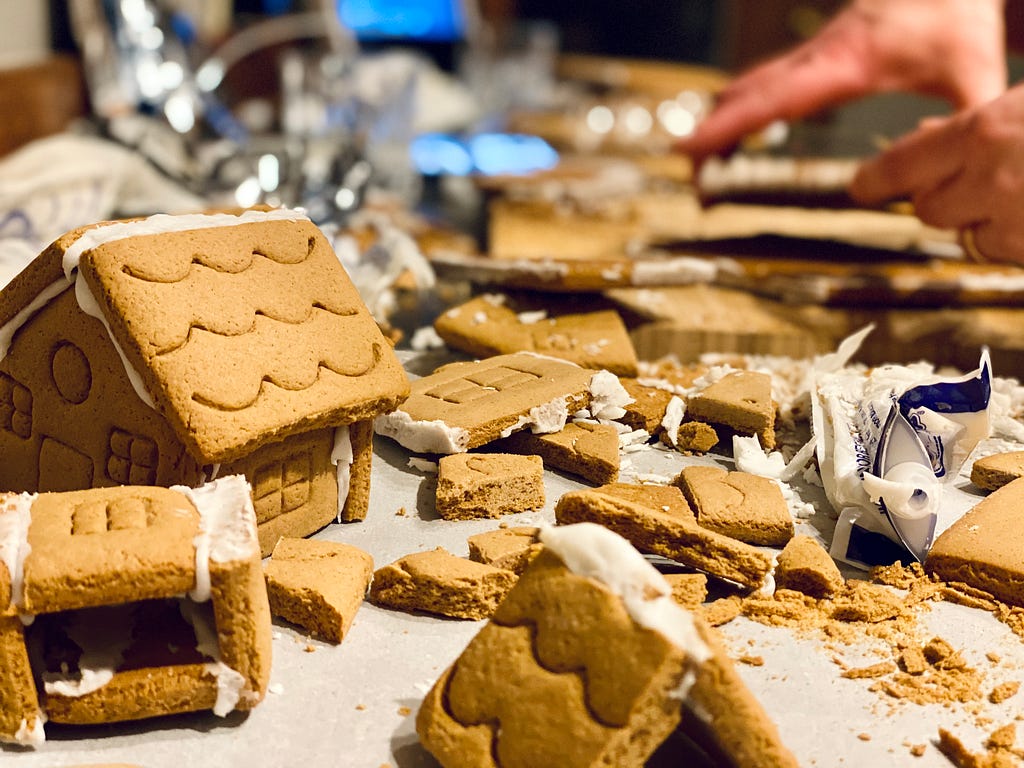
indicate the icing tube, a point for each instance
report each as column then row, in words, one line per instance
column 887, row 444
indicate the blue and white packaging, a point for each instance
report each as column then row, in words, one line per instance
column 888, row 443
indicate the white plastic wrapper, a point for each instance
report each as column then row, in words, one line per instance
column 887, row 444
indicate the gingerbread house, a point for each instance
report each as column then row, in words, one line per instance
column 176, row 349
column 143, row 602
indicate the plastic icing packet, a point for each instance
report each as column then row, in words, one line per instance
column 888, row 441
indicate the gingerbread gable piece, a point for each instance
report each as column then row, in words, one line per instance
column 232, row 335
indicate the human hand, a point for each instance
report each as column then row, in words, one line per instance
column 964, row 172
column 953, row 49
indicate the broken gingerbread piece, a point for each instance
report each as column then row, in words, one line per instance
column 660, row 528
column 510, row 548
column 747, row 507
column 474, row 485
column 742, row 401
column 806, row 567
column 318, row 585
column 582, row 448
column 436, row 581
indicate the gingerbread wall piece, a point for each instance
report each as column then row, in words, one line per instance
column 175, row 348
column 144, row 601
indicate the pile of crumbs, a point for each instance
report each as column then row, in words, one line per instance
column 880, row 616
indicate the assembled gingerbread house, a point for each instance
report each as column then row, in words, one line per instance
column 127, row 603
column 176, row 349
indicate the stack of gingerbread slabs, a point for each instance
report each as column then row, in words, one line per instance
column 127, row 603
column 178, row 348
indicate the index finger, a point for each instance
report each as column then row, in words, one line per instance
column 918, row 161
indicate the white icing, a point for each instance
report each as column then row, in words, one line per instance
column 593, row 551
column 90, row 680
column 8, row 329
column 673, row 271
column 751, row 458
column 674, row 412
column 548, row 417
column 87, row 302
column 423, row 465
column 230, row 682
column 530, row 318
column 227, row 527
column 229, row 687
column 607, row 396
column 163, row 223
column 341, row 458
column 426, row 338
column 34, row 736
column 422, row 436
column 15, row 517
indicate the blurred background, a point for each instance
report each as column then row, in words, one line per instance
column 59, row 58
column 427, row 109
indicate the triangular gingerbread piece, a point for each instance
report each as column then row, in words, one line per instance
column 742, row 401
column 978, row 549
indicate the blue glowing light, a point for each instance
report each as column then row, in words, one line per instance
column 429, row 20
column 490, row 154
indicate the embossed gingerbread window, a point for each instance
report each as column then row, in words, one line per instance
column 282, row 486
column 132, row 459
column 15, row 407
column 119, row 514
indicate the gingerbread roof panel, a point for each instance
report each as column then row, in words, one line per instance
column 244, row 333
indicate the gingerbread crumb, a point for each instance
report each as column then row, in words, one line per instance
column 864, row 736
column 404, row 711
column 753, row 661
column 918, row 750
column 912, row 661
column 1004, row 691
column 722, row 611
column 875, row 670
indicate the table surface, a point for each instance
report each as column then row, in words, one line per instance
column 354, row 704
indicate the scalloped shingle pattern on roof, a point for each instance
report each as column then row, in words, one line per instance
column 246, row 333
